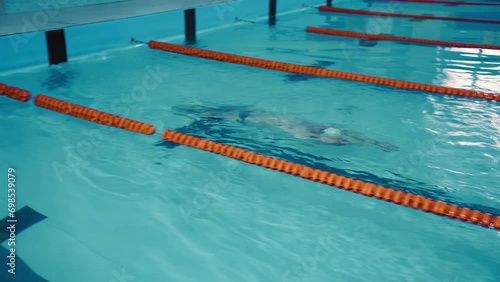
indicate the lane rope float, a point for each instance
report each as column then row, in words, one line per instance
column 349, row 184
column 92, row 115
column 371, row 36
column 314, row 71
column 448, row 2
column 384, row 14
column 14, row 93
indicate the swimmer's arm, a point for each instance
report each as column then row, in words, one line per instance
column 361, row 138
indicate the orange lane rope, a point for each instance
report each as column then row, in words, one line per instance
column 371, row 36
column 383, row 14
column 346, row 183
column 448, row 2
column 293, row 68
column 93, row 115
column 14, row 93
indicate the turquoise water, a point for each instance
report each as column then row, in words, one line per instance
column 126, row 206
column 13, row 6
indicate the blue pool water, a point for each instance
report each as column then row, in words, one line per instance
column 124, row 206
column 12, row 6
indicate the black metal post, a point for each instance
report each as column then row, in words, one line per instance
column 190, row 25
column 272, row 12
column 329, row 3
column 56, row 45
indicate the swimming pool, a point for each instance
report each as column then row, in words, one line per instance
column 127, row 207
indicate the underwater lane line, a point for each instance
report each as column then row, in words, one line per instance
column 371, row 36
column 411, row 16
column 314, row 71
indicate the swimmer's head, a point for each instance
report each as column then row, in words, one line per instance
column 330, row 131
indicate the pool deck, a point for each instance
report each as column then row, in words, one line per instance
column 53, row 18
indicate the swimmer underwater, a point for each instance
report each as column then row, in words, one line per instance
column 298, row 128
